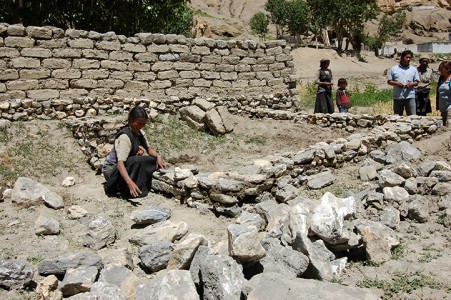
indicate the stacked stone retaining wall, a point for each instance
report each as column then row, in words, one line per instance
column 269, row 174
column 47, row 64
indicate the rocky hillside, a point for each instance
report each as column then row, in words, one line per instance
column 230, row 18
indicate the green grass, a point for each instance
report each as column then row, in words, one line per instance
column 399, row 251
column 369, row 96
column 402, row 283
column 171, row 134
column 39, row 154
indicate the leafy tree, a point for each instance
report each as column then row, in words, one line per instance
column 122, row 16
column 319, row 18
column 345, row 17
column 388, row 26
column 297, row 18
column 354, row 19
column 278, row 10
column 259, row 24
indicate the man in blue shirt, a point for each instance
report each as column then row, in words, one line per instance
column 404, row 78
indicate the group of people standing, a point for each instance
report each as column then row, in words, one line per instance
column 411, row 88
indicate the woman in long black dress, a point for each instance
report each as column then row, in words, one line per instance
column 324, row 102
column 129, row 167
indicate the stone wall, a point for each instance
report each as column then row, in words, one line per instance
column 45, row 64
column 269, row 174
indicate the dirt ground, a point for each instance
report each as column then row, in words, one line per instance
column 426, row 246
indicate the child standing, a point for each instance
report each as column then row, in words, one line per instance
column 342, row 96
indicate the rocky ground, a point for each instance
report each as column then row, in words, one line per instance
column 419, row 268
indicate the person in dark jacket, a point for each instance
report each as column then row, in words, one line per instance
column 324, row 101
column 423, row 88
column 129, row 167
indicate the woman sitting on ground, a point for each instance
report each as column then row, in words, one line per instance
column 129, row 167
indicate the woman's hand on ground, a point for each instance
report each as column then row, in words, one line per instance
column 161, row 163
column 134, row 190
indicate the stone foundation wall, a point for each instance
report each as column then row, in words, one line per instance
column 96, row 136
column 269, row 174
column 45, row 64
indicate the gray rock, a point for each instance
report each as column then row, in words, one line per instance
column 388, row 178
column 378, row 240
column 204, row 104
column 214, row 122
column 390, row 217
column 442, row 175
column 118, row 257
column 320, row 180
column 53, row 200
column 76, row 212
column 150, row 215
column 28, row 191
column 277, row 286
column 208, row 268
column 338, row 265
column 163, row 231
column 411, row 185
column 174, row 284
column 286, row 193
column 375, row 199
column 297, row 221
column 395, row 194
column 229, row 211
column 201, row 255
column 15, row 274
column 247, row 218
column 327, row 219
column 426, row 184
column 223, row 198
column 445, row 202
column 283, row 260
column 419, row 209
column 304, row 157
column 401, row 151
column 45, row 225
column 58, row 266
column 319, row 256
column 378, row 155
column 272, row 212
column 404, row 170
column 114, row 274
column 101, row 233
column 226, row 119
column 193, row 112
column 367, row 173
column 229, row 185
column 184, row 251
column 424, row 169
column 244, row 243
column 78, row 280
column 442, row 189
column 155, row 256
column 48, row 288
column 106, row 290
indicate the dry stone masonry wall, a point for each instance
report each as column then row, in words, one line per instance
column 47, row 69
column 279, row 175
